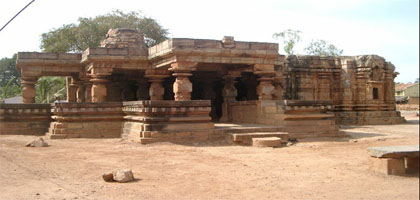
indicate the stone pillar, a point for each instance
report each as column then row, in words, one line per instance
column 98, row 88
column 182, row 86
column 209, row 94
column 142, row 90
column 88, row 92
column 156, row 90
column 265, row 86
column 80, row 91
column 278, row 91
column 229, row 94
column 28, row 89
column 71, row 91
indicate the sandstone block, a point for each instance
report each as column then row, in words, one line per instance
column 390, row 166
column 267, row 142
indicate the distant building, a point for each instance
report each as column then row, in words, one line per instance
column 408, row 92
column 17, row 99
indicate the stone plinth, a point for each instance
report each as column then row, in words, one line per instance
column 24, row 119
column 86, row 120
column 368, row 115
column 310, row 119
column 173, row 121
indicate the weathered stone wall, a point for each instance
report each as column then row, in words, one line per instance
column 313, row 78
column 368, row 92
column 24, row 119
column 86, row 120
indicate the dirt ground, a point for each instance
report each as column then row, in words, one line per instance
column 310, row 169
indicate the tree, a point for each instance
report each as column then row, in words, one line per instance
column 290, row 38
column 90, row 31
column 48, row 88
column 9, row 78
column 322, row 48
column 8, row 71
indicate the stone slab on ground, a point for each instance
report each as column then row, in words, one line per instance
column 394, row 151
column 246, row 138
column 268, row 142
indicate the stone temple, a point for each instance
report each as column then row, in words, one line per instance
column 198, row 90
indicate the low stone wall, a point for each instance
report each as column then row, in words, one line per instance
column 86, row 120
column 244, row 111
column 173, row 121
column 24, row 119
column 257, row 112
column 303, row 119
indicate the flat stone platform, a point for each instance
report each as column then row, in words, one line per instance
column 394, row 151
column 394, row 160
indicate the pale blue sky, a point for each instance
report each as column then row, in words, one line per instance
column 389, row 28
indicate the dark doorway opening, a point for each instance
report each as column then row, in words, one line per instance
column 208, row 86
column 375, row 93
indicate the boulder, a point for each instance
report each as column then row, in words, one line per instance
column 123, row 175
column 39, row 142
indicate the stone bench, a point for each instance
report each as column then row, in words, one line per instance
column 395, row 160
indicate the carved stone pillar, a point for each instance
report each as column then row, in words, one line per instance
column 28, row 89
column 156, row 90
column 142, row 90
column 71, row 91
column 88, row 92
column 229, row 94
column 182, row 86
column 265, row 87
column 80, row 91
column 98, row 88
column 278, row 91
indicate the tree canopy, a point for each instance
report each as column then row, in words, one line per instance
column 290, row 38
column 90, row 31
column 322, row 48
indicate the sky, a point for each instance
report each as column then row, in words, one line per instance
column 388, row 28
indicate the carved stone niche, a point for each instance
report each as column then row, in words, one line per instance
column 377, row 74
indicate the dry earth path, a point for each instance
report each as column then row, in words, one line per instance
column 310, row 169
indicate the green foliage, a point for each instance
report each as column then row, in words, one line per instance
column 11, row 89
column 90, row 31
column 9, row 78
column 48, row 88
column 290, row 38
column 322, row 48
column 8, row 71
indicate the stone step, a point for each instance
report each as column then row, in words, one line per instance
column 268, row 142
column 243, row 129
column 246, row 138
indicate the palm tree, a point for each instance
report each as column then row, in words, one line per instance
column 48, row 87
